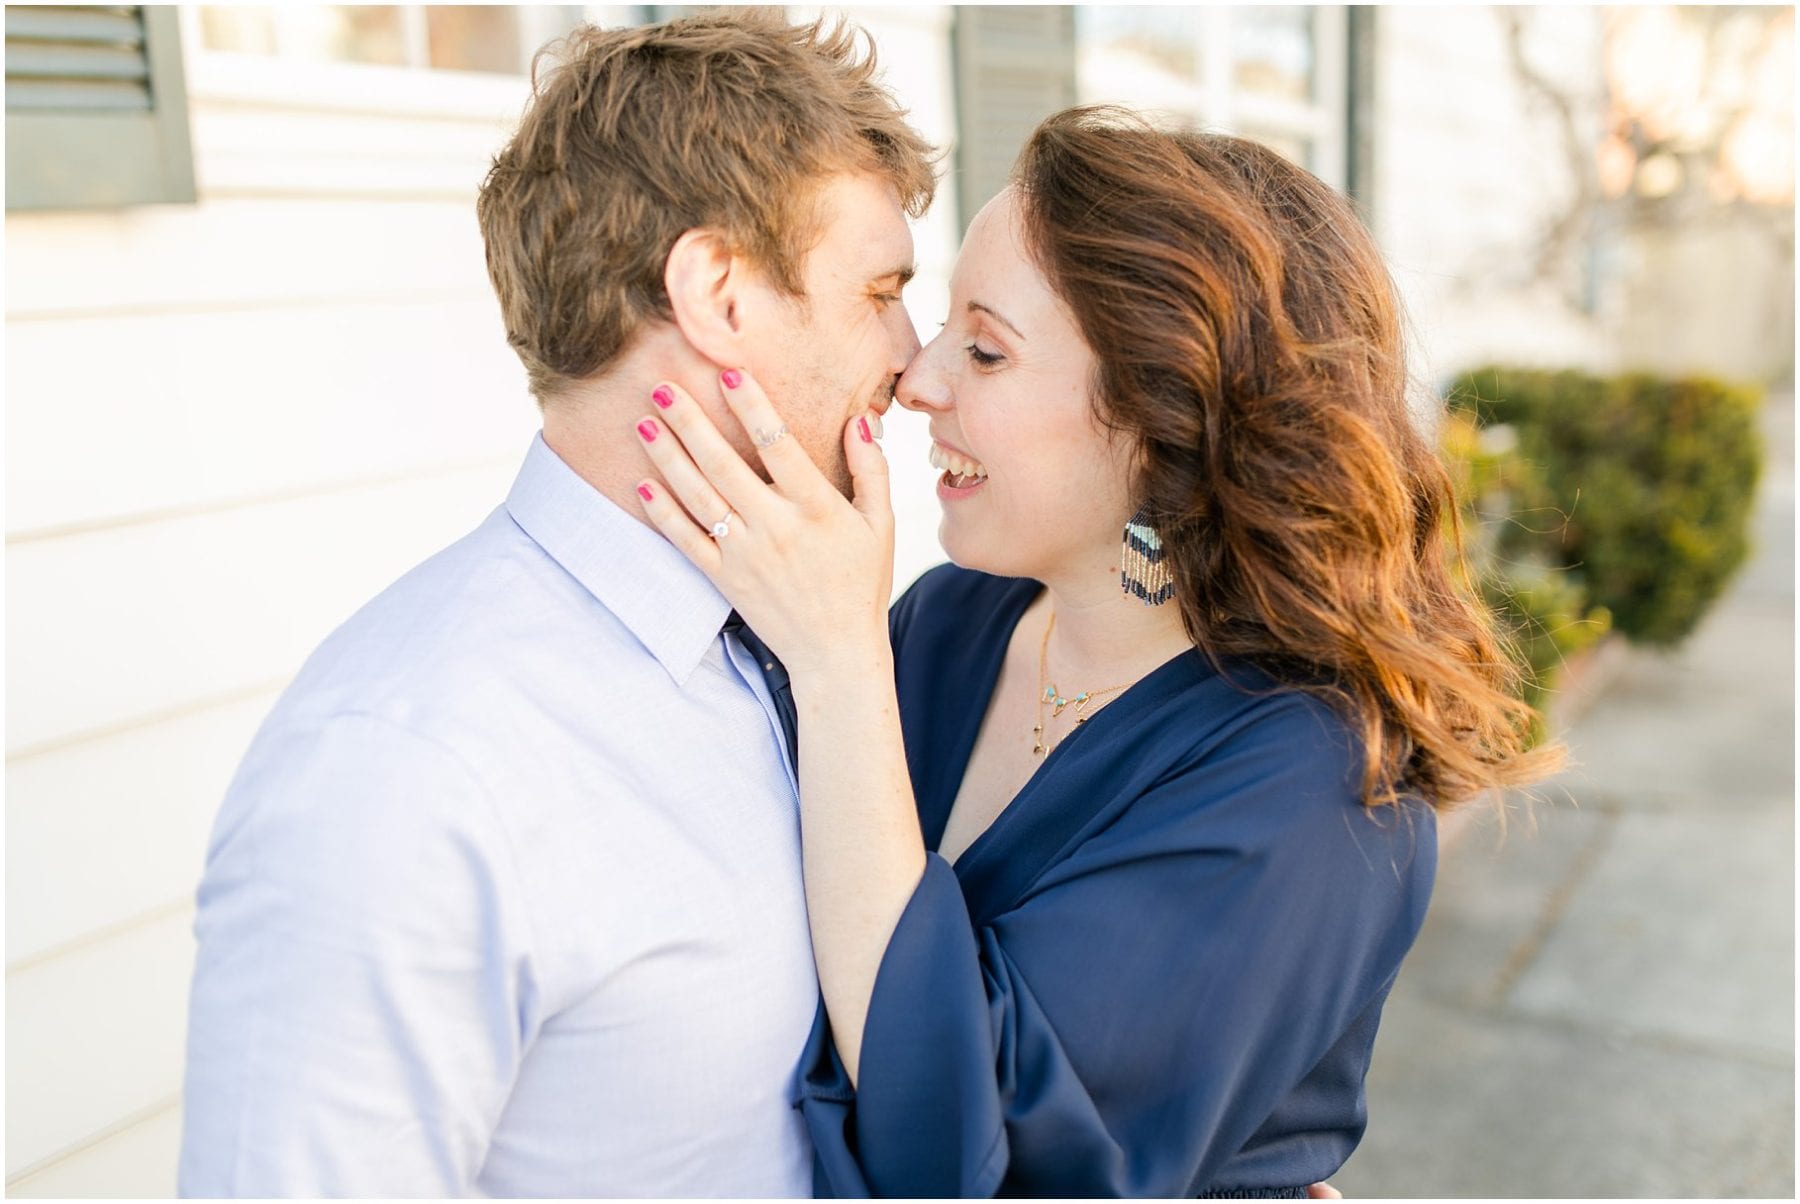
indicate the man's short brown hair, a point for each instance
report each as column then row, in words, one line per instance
column 725, row 120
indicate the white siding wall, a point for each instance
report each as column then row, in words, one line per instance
column 228, row 425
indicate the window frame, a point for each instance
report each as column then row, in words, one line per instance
column 1323, row 122
column 414, row 88
column 421, row 132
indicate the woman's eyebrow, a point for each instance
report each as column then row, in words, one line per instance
column 976, row 306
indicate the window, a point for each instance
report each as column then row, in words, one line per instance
column 490, row 38
column 96, row 108
column 365, row 101
column 1273, row 73
column 1279, row 75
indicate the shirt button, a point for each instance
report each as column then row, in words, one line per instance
column 768, row 666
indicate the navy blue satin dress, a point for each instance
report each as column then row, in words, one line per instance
column 1158, row 972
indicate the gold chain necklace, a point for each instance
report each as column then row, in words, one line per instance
column 1048, row 693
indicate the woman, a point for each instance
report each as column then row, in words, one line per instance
column 1116, row 834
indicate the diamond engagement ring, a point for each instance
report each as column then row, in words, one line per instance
column 722, row 528
column 767, row 439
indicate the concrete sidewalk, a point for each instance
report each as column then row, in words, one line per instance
column 1602, row 1001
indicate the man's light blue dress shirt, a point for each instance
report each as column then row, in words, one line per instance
column 505, row 898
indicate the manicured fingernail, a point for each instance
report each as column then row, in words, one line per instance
column 732, row 378
column 862, row 426
column 644, row 492
column 877, row 425
column 647, row 429
column 663, row 397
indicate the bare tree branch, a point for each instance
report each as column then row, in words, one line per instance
column 1576, row 219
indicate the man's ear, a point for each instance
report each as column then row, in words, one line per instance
column 706, row 285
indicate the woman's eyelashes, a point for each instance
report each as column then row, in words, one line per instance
column 983, row 359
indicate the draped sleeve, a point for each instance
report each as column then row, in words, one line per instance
column 1210, row 951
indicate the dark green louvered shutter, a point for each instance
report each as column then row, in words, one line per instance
column 96, row 112
column 1015, row 65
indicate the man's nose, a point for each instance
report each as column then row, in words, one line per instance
column 906, row 347
column 906, row 353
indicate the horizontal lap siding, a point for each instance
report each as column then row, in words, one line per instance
column 133, row 1163
column 84, row 854
column 228, row 253
column 171, row 413
column 229, row 425
column 94, row 1037
column 126, row 625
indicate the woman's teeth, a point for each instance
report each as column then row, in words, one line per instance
column 963, row 472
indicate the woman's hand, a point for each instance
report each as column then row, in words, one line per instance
column 810, row 572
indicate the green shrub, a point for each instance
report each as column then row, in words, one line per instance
column 1640, row 487
column 1549, row 619
column 1543, row 610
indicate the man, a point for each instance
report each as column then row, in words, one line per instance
column 505, row 898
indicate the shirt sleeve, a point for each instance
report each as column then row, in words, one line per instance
column 363, row 990
column 1127, row 1026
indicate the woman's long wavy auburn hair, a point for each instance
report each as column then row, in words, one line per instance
column 1247, row 338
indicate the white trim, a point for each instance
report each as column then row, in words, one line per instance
column 278, row 81
column 417, row 34
column 1250, row 110
column 1331, row 84
column 257, row 80
column 268, row 126
column 1213, row 57
column 16, row 1184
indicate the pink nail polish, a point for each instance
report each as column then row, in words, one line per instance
column 644, row 492
column 663, row 397
column 862, row 427
column 732, row 378
column 647, row 429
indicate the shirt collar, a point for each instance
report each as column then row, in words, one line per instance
column 662, row 598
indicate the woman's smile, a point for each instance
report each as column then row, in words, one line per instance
column 962, row 474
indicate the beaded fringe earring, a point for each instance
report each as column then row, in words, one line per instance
column 1143, row 573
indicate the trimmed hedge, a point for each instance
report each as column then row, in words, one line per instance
column 1633, row 491
column 1546, row 614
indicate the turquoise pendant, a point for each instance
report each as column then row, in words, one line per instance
column 1059, row 703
